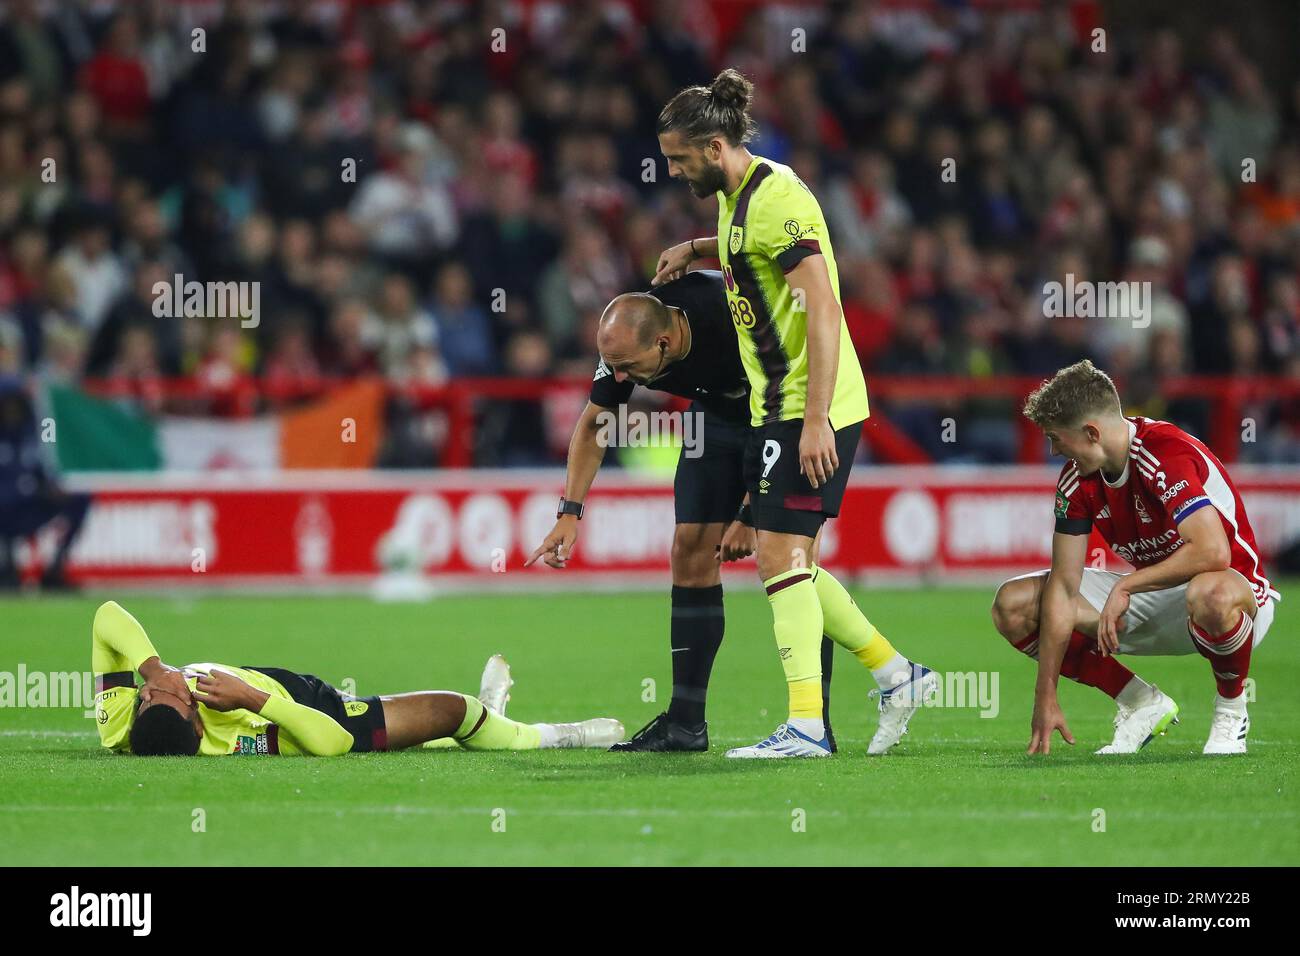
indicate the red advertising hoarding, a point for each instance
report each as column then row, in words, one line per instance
column 476, row 528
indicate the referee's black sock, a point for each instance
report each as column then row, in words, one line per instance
column 828, row 660
column 696, row 634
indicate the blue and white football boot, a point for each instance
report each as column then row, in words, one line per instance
column 785, row 741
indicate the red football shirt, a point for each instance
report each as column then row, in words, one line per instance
column 1169, row 475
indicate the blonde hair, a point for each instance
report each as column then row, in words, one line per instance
column 1072, row 396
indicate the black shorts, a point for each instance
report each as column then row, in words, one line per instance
column 781, row 498
column 709, row 487
column 362, row 717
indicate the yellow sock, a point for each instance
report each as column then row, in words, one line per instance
column 797, row 622
column 483, row 729
column 806, row 697
column 846, row 625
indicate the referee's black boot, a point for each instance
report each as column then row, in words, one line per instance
column 662, row 735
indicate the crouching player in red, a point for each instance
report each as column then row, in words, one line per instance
column 215, row 709
column 1165, row 504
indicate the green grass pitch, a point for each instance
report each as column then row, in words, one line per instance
column 959, row 790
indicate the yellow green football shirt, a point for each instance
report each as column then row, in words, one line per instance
column 770, row 224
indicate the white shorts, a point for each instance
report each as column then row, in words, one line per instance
column 1156, row 622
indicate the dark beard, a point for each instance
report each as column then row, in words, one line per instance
column 713, row 181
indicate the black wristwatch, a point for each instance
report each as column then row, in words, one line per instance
column 746, row 515
column 568, row 507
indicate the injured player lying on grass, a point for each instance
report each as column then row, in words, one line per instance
column 215, row 709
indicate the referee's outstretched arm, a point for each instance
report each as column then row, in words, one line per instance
column 586, row 453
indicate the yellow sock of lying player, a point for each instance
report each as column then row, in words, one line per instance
column 797, row 623
column 484, row 730
column 846, row 625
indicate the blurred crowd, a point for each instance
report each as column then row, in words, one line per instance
column 508, row 184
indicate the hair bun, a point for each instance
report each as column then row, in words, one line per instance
column 731, row 90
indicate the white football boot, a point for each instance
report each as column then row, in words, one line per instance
column 1229, row 727
column 785, row 741
column 599, row 732
column 494, row 688
column 899, row 703
column 1135, row 727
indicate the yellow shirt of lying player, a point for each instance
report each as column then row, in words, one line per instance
column 770, row 224
column 119, row 645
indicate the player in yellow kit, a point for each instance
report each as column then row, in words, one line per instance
column 215, row 709
column 808, row 400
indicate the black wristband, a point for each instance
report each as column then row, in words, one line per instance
column 693, row 252
column 568, row 507
column 745, row 515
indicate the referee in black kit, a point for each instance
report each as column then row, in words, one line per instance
column 678, row 339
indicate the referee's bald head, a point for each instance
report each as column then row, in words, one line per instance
column 630, row 324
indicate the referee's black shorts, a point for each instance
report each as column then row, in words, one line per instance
column 362, row 717
column 780, row 496
column 710, row 485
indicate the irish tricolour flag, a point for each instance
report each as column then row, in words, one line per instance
column 342, row 430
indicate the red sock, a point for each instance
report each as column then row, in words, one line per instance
column 1228, row 653
column 1083, row 664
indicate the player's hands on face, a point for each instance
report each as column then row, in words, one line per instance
column 672, row 263
column 738, row 541
column 817, row 456
column 167, row 678
column 1048, row 718
column 558, row 546
column 223, row 691
column 1111, row 621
